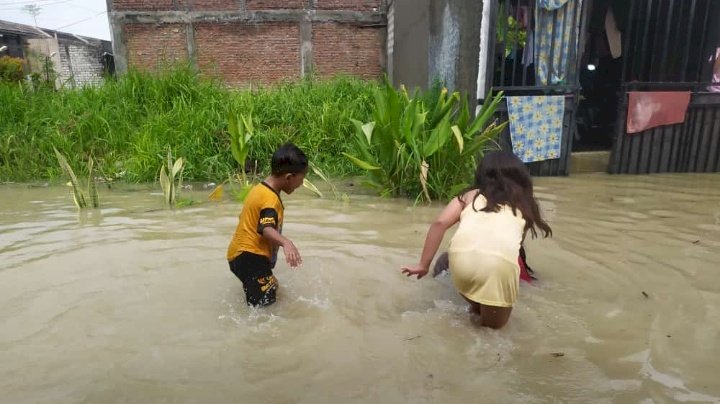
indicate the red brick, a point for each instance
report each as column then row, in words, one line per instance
column 242, row 53
column 142, row 5
column 347, row 49
column 216, row 5
column 275, row 4
column 153, row 45
column 360, row 5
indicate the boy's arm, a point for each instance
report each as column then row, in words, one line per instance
column 449, row 216
column 292, row 255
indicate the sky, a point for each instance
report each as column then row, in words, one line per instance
column 81, row 17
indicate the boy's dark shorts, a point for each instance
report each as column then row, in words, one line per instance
column 255, row 272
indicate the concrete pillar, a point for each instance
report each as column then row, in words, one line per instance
column 454, row 45
column 191, row 46
column 306, row 55
column 408, row 38
column 119, row 45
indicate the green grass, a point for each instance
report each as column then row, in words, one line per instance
column 127, row 124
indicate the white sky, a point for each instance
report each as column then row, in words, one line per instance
column 81, row 17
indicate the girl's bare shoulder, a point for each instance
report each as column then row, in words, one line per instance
column 469, row 196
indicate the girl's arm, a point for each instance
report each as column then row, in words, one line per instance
column 449, row 216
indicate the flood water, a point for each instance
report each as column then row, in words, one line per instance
column 135, row 304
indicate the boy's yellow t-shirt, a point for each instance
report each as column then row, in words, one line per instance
column 262, row 208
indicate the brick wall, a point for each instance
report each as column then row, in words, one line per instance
column 346, row 49
column 80, row 64
column 241, row 47
column 241, row 53
column 150, row 46
column 360, row 5
column 275, row 4
column 218, row 5
column 143, row 5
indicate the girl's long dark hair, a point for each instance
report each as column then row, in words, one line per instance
column 504, row 180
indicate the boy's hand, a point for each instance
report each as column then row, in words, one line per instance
column 292, row 255
column 418, row 270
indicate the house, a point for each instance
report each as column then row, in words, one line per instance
column 68, row 59
column 595, row 57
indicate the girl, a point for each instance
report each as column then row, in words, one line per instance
column 494, row 215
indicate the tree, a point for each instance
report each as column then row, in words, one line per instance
column 33, row 10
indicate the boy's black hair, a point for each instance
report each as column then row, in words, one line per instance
column 288, row 159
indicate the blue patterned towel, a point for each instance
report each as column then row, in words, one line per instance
column 536, row 125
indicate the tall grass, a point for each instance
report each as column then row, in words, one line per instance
column 128, row 123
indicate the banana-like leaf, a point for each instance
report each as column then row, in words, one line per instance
column 362, row 164
column 488, row 109
column 458, row 137
column 438, row 137
column 166, row 185
column 424, row 167
column 248, row 127
column 78, row 195
column 481, row 140
column 92, row 186
column 309, row 185
column 179, row 164
column 324, row 177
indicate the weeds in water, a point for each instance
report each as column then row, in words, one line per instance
column 90, row 197
column 171, row 178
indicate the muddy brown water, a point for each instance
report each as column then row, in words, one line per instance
column 134, row 304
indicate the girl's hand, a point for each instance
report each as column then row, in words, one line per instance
column 418, row 270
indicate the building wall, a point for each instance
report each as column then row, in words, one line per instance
column 80, row 63
column 252, row 41
column 411, row 35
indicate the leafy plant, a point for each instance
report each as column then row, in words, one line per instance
column 11, row 69
column 171, row 178
column 81, row 201
column 509, row 31
column 407, row 149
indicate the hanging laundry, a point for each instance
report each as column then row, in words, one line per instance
column 647, row 110
column 536, row 125
column 556, row 40
column 614, row 36
column 715, row 72
column 528, row 57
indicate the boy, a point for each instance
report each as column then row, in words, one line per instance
column 253, row 249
